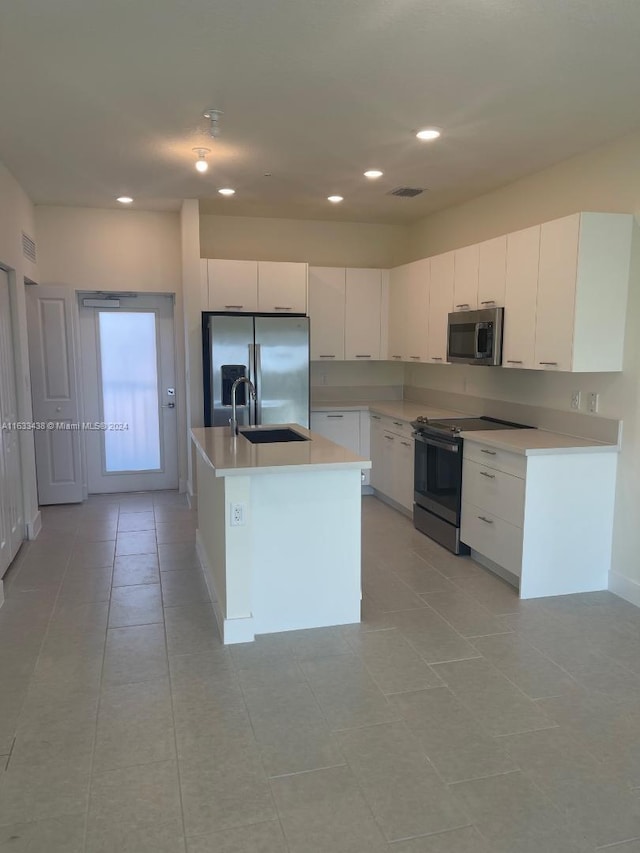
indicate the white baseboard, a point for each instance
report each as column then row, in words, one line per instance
column 1, row 592
column 393, row 504
column 625, row 588
column 231, row 630
column 34, row 526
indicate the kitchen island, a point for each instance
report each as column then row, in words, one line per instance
column 278, row 531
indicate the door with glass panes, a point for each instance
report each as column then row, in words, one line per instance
column 129, row 405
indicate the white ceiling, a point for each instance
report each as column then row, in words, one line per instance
column 104, row 97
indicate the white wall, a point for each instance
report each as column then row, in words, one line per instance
column 318, row 242
column 16, row 216
column 606, row 179
column 118, row 250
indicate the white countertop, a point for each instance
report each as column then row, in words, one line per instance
column 537, row 442
column 403, row 410
column 229, row 455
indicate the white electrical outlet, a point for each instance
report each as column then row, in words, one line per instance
column 594, row 402
column 237, row 515
column 576, row 399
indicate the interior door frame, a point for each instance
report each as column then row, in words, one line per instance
column 86, row 294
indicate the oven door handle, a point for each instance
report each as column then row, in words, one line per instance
column 434, row 442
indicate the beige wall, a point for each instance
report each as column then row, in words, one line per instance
column 320, row 243
column 607, row 179
column 118, row 250
column 16, row 216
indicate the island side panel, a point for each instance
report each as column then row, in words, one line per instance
column 568, row 528
column 306, row 549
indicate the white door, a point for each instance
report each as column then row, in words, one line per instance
column 11, row 503
column 363, row 314
column 521, row 293
column 440, row 305
column 130, row 411
column 54, row 391
column 326, row 313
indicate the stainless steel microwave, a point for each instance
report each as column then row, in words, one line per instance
column 475, row 337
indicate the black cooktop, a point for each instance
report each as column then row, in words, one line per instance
column 456, row 425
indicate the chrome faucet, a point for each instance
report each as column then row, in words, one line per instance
column 233, row 423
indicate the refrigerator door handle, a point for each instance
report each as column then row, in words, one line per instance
column 258, row 383
column 251, row 404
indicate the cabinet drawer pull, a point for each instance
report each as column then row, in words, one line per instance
column 406, row 443
column 486, row 520
column 488, row 302
column 375, row 417
column 551, row 363
column 415, row 357
column 282, row 307
column 237, row 307
column 398, row 423
column 490, row 476
column 389, row 437
column 396, row 356
column 363, row 356
column 511, row 361
column 436, row 358
column 335, row 416
column 490, row 452
column 463, row 305
column 327, row 356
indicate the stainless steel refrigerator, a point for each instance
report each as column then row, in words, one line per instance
column 271, row 351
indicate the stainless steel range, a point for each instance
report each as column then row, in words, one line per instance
column 438, row 475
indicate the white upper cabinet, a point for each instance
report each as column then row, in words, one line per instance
column 440, row 306
column 233, row 285
column 523, row 251
column 582, row 292
column 398, row 301
column 363, row 315
column 282, row 287
column 417, row 310
column 465, row 283
column 326, row 312
column 492, row 272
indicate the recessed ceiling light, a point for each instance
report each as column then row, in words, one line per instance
column 335, row 199
column 428, row 133
column 124, row 199
column 373, row 173
column 227, row 191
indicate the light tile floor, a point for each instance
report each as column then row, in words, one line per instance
column 454, row 719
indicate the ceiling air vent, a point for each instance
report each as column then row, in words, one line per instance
column 406, row 192
column 28, row 247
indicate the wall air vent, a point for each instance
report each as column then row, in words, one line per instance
column 28, row 247
column 406, row 192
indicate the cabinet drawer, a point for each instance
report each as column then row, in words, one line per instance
column 394, row 425
column 492, row 457
column 492, row 537
column 343, row 428
column 500, row 494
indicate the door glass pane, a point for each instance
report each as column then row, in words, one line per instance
column 129, row 367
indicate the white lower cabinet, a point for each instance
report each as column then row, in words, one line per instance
column 392, row 451
column 343, row 428
column 545, row 519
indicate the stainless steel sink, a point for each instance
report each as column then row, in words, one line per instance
column 272, row 436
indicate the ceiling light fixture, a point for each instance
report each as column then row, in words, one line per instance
column 214, row 117
column 373, row 173
column 428, row 133
column 124, row 199
column 335, row 199
column 227, row 191
column 201, row 162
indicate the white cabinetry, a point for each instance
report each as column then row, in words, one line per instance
column 546, row 520
column 492, row 272
column 232, row 285
column 523, row 251
column 398, row 303
column 344, row 428
column 363, row 315
column 409, row 311
column 465, row 283
column 282, row 287
column 247, row 286
column 440, row 306
column 326, row 313
column 392, row 454
column 582, row 292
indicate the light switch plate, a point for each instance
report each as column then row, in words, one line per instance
column 594, row 402
column 576, row 399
